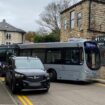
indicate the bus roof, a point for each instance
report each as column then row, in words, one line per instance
column 51, row 45
column 8, row 46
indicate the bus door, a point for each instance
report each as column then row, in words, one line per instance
column 54, row 60
column 72, row 63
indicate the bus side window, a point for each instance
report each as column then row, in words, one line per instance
column 74, row 56
column 54, row 56
column 67, row 56
column 58, row 61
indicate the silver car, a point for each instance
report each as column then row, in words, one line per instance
column 26, row 73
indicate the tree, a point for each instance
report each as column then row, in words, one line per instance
column 56, row 35
column 52, row 37
column 30, row 36
column 50, row 18
column 38, row 39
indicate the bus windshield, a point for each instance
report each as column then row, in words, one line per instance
column 92, row 55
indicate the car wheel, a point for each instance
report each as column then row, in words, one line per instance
column 13, row 88
column 6, row 81
column 52, row 75
column 46, row 90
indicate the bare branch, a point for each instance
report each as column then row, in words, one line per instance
column 50, row 18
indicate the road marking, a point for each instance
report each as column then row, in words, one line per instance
column 22, row 100
column 27, row 100
column 8, row 93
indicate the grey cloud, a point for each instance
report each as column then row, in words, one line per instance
column 22, row 13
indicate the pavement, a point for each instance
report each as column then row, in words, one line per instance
column 100, row 81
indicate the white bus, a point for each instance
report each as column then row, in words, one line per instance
column 77, row 60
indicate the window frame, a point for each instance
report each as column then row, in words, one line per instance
column 72, row 49
column 53, row 50
column 65, row 24
column 72, row 20
column 8, row 43
column 79, row 20
column 8, row 36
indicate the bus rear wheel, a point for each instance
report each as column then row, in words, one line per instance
column 52, row 75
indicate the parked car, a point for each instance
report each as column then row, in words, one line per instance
column 26, row 73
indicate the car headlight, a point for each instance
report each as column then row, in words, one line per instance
column 47, row 76
column 17, row 75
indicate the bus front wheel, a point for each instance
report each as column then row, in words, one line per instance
column 52, row 75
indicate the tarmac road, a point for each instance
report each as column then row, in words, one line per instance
column 6, row 97
column 60, row 93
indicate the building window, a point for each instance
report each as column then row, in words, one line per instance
column 65, row 24
column 8, row 36
column 8, row 43
column 79, row 20
column 72, row 19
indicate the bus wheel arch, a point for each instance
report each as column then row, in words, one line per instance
column 53, row 75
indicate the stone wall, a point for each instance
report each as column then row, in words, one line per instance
column 76, row 32
column 97, row 20
column 16, row 37
column 102, row 72
column 1, row 37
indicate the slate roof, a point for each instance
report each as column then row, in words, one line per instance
column 4, row 26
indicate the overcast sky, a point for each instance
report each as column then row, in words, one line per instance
column 22, row 13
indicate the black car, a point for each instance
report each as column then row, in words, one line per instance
column 26, row 73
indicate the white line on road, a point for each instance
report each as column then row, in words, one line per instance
column 9, row 95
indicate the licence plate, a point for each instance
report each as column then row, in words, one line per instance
column 35, row 84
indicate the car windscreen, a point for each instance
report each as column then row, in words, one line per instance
column 28, row 64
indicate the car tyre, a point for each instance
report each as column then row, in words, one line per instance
column 6, row 82
column 46, row 90
column 52, row 75
column 13, row 88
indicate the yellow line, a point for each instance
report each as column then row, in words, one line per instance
column 22, row 100
column 27, row 100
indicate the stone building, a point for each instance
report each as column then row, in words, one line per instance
column 85, row 19
column 10, row 34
